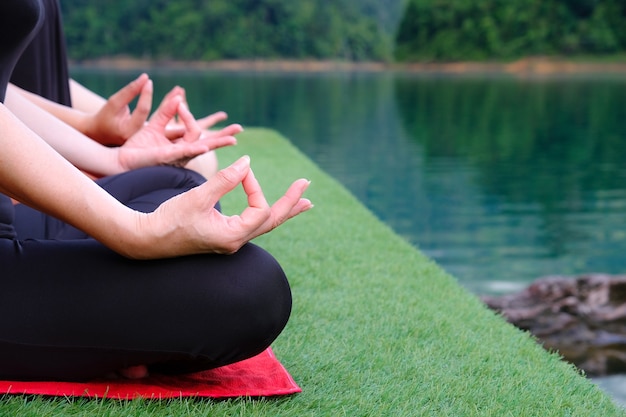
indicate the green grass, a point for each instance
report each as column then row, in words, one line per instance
column 377, row 328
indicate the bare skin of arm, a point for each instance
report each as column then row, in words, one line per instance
column 111, row 122
column 34, row 173
column 149, row 146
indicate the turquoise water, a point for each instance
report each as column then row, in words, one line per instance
column 500, row 180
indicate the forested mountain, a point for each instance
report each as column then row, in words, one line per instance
column 230, row 29
column 355, row 30
column 488, row 29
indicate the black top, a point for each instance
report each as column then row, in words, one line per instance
column 42, row 68
column 19, row 20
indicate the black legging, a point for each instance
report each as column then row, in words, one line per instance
column 71, row 309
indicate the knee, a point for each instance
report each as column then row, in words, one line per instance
column 259, row 302
column 268, row 291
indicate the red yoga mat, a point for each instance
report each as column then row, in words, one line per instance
column 260, row 376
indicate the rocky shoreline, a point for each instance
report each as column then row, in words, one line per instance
column 583, row 318
column 527, row 67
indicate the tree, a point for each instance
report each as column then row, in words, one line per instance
column 506, row 29
column 217, row 29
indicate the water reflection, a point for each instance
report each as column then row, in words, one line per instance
column 545, row 174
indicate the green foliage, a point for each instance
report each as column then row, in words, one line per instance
column 223, row 29
column 506, row 29
column 354, row 30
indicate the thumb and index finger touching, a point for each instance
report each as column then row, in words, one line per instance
column 259, row 217
column 142, row 86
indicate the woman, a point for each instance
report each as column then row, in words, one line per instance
column 41, row 75
column 171, row 286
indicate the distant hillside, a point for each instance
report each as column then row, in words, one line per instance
column 449, row 30
column 356, row 30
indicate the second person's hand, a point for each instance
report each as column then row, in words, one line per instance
column 150, row 145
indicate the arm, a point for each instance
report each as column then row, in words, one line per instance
column 32, row 172
column 69, row 142
column 84, row 99
column 109, row 122
column 148, row 147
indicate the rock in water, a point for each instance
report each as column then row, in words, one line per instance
column 583, row 318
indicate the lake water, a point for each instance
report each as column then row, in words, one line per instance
column 500, row 180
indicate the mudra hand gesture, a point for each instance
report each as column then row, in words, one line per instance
column 152, row 146
column 190, row 224
column 114, row 122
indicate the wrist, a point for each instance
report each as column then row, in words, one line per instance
column 154, row 237
column 90, row 125
column 128, row 235
column 84, row 123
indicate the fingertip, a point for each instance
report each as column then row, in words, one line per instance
column 304, row 183
column 178, row 101
column 242, row 163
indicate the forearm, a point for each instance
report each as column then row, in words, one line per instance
column 77, row 148
column 84, row 99
column 79, row 120
column 33, row 173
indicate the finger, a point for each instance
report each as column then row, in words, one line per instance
column 192, row 129
column 176, row 91
column 229, row 130
column 254, row 217
column 184, row 94
column 212, row 119
column 219, row 142
column 166, row 111
column 291, row 203
column 182, row 151
column 256, row 198
column 174, row 132
column 303, row 205
column 144, row 104
column 225, row 180
column 127, row 93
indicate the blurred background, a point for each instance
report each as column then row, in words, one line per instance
column 357, row 30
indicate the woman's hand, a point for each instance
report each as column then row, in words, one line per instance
column 150, row 145
column 176, row 128
column 189, row 222
column 183, row 225
column 114, row 123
